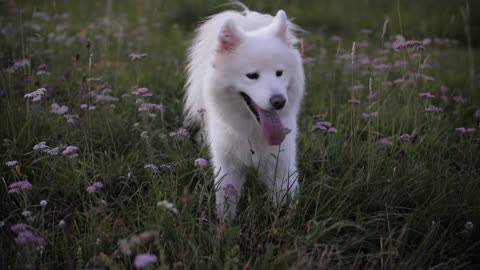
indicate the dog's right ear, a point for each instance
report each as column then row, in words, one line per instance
column 230, row 37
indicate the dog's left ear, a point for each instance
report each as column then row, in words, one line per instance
column 280, row 26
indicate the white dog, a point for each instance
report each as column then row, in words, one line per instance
column 245, row 86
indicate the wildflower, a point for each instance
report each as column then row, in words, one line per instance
column 52, row 152
column 57, row 109
column 144, row 92
column 103, row 202
column 98, row 185
column 26, row 213
column 409, row 44
column 150, row 107
column 406, row 137
column 354, row 101
column 40, row 146
column 137, row 56
column 182, row 132
column 70, row 149
column 11, row 163
column 18, row 186
column 167, row 205
column 426, row 95
column 43, row 203
column 144, row 260
column 61, row 223
column 36, row 95
column 91, row 189
column 20, row 227
column 386, row 142
column 153, row 167
column 83, row 106
column 71, row 118
column 229, row 190
column 27, row 236
column 332, row 130
column 200, row 162
column 433, row 109
column 461, row 129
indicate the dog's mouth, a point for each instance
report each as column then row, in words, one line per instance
column 271, row 127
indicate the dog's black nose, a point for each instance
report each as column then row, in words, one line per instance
column 278, row 101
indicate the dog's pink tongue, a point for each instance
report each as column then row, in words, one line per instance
column 272, row 128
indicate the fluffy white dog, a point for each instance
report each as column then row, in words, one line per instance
column 245, row 86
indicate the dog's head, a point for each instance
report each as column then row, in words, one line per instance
column 259, row 67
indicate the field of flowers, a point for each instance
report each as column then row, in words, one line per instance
column 98, row 172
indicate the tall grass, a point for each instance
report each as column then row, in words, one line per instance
column 402, row 193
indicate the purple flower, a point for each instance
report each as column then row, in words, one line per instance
column 354, row 101
column 26, row 213
column 11, row 163
column 18, row 186
column 19, row 227
column 91, row 189
column 70, row 149
column 71, row 118
column 40, row 146
column 200, row 162
column 406, row 137
column 84, row 106
column 137, row 56
column 57, row 109
column 433, row 109
column 386, row 142
column 461, row 129
column 182, row 132
column 332, row 130
column 426, row 95
column 409, row 44
column 98, row 185
column 142, row 92
column 36, row 95
column 144, row 260
column 150, row 107
column 229, row 190
column 27, row 236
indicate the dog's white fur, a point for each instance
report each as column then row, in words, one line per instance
column 228, row 46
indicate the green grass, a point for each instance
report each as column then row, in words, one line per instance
column 363, row 204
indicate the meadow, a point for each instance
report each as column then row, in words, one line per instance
column 97, row 170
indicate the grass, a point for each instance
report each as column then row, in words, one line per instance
column 370, row 201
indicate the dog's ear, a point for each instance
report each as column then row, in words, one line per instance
column 230, row 37
column 279, row 26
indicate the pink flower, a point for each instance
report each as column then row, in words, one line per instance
column 144, row 260
column 200, row 162
column 229, row 190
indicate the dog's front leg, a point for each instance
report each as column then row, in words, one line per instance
column 229, row 180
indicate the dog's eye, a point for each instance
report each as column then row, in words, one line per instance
column 253, row 76
column 279, row 73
